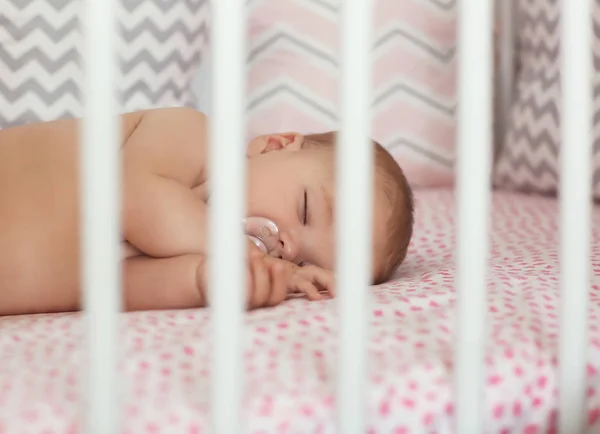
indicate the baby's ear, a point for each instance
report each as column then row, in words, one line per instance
column 275, row 142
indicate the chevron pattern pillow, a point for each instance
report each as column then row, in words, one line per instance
column 160, row 47
column 529, row 160
column 293, row 76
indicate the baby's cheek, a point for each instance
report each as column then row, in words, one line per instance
column 327, row 259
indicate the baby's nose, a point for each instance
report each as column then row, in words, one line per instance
column 285, row 249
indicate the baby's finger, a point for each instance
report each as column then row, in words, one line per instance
column 278, row 285
column 262, row 284
column 323, row 278
column 308, row 289
column 253, row 250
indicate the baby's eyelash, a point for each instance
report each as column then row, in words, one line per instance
column 305, row 207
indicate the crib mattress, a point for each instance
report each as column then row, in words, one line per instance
column 289, row 351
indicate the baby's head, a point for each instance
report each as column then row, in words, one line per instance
column 291, row 180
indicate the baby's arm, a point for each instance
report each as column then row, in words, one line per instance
column 164, row 158
column 163, row 283
column 181, row 282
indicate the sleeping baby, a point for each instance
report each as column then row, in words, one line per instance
column 290, row 204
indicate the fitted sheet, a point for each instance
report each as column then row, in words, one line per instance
column 289, row 351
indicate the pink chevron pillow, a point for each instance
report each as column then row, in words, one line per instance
column 293, row 72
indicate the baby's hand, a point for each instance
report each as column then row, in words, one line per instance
column 309, row 280
column 266, row 281
column 272, row 279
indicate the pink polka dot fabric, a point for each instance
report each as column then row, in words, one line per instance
column 289, row 352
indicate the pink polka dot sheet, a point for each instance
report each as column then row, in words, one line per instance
column 289, row 354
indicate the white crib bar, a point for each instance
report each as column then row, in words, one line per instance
column 227, row 245
column 100, row 206
column 473, row 168
column 575, row 210
column 353, row 213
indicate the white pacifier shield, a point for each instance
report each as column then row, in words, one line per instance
column 263, row 232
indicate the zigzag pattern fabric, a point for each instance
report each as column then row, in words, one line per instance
column 160, row 47
column 294, row 71
column 529, row 160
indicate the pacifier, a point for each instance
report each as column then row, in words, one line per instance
column 262, row 232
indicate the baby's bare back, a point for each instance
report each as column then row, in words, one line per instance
column 39, row 221
column 163, row 159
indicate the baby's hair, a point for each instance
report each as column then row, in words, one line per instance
column 399, row 194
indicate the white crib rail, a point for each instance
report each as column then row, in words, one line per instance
column 575, row 210
column 354, row 213
column 227, row 176
column 473, row 171
column 100, row 206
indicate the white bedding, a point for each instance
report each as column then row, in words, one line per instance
column 290, row 351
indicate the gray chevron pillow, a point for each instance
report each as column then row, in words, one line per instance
column 160, row 47
column 529, row 160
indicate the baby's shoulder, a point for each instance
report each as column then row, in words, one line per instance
column 181, row 116
column 170, row 142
